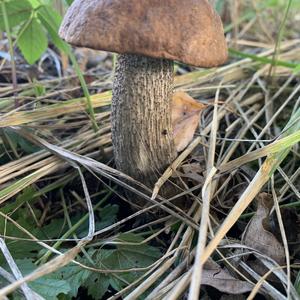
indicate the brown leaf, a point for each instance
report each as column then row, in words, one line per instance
column 185, row 118
column 191, row 171
column 213, row 275
column 290, row 223
column 257, row 234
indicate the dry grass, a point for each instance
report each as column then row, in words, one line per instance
column 247, row 143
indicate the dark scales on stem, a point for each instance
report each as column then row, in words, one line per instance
column 141, row 110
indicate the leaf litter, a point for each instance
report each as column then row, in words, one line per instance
column 249, row 121
column 257, row 234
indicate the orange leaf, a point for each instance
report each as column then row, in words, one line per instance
column 185, row 118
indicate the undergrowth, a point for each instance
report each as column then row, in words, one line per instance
column 67, row 229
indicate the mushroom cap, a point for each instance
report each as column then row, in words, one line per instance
column 189, row 31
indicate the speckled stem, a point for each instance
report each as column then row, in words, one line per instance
column 141, row 117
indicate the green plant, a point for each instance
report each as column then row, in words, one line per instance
column 34, row 21
column 31, row 21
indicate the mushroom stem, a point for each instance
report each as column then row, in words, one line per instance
column 142, row 132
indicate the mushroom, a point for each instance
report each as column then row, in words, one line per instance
column 149, row 35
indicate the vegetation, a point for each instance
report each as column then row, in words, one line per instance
column 67, row 227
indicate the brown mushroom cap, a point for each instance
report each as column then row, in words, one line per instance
column 189, row 31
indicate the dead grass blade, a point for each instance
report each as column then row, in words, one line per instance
column 51, row 266
column 273, row 148
column 263, row 175
column 28, row 293
column 53, row 111
column 207, row 193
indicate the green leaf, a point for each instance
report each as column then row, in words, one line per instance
column 39, row 89
column 219, row 6
column 17, row 12
column 47, row 286
column 23, row 216
column 74, row 275
column 51, row 21
column 48, row 14
column 50, row 288
column 98, row 283
column 297, row 69
column 18, row 140
column 264, row 60
column 124, row 257
column 32, row 41
column 69, row 2
column 19, row 248
column 52, row 27
column 22, row 197
column 131, row 255
column 142, row 254
column 107, row 215
column 297, row 283
column 35, row 3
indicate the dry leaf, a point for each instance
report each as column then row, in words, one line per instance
column 185, row 118
column 191, row 171
column 257, row 234
column 213, row 275
column 290, row 221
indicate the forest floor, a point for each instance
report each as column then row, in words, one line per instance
column 67, row 229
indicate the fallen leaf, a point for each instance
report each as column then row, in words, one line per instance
column 185, row 118
column 290, row 221
column 257, row 234
column 191, row 171
column 219, row 278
